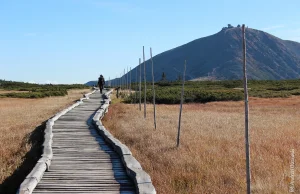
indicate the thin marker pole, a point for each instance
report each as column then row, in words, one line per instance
column 120, row 81
column 247, row 139
column 127, row 80
column 154, row 110
column 140, row 84
column 130, row 81
column 145, row 89
column 136, row 82
column 181, row 102
column 124, row 82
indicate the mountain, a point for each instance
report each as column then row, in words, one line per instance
column 219, row 56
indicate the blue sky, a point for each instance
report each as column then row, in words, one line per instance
column 74, row 41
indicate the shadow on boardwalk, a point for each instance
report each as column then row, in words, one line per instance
column 36, row 139
column 125, row 182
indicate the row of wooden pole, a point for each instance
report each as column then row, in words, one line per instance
column 138, row 87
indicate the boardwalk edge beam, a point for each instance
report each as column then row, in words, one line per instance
column 134, row 169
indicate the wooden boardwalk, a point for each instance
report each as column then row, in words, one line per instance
column 82, row 161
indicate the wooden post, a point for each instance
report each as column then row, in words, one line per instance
column 130, row 82
column 120, row 81
column 247, row 139
column 145, row 87
column 154, row 110
column 127, row 80
column 140, row 85
column 136, row 82
column 181, row 102
column 124, row 81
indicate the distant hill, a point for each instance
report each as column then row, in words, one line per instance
column 219, row 56
column 91, row 83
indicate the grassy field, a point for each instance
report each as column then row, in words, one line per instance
column 211, row 157
column 210, row 91
column 20, row 129
column 12, row 89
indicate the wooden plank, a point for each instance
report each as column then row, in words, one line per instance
column 82, row 161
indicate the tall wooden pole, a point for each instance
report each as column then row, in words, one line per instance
column 136, row 81
column 120, row 81
column 127, row 80
column 181, row 102
column 145, row 87
column 247, row 139
column 154, row 110
column 140, row 85
column 130, row 81
column 124, row 81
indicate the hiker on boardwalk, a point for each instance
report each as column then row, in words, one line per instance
column 101, row 83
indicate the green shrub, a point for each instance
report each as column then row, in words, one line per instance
column 35, row 94
column 172, row 96
column 36, row 90
column 208, row 91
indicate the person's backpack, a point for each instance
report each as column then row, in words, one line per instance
column 101, row 81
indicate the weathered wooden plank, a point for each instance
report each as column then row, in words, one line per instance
column 82, row 161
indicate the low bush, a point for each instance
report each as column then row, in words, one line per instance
column 35, row 94
column 36, row 90
column 172, row 96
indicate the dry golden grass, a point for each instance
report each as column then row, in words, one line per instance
column 211, row 157
column 19, row 117
column 11, row 91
